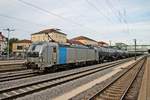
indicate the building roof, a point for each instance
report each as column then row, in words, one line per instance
column 23, row 41
column 74, row 42
column 102, row 42
column 49, row 31
column 83, row 38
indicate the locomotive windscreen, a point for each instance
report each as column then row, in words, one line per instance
column 34, row 50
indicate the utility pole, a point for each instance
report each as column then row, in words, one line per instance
column 135, row 47
column 110, row 43
column 8, row 30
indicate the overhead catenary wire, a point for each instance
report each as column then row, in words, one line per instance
column 54, row 14
column 100, row 12
column 117, row 13
column 114, row 10
column 120, row 15
column 22, row 20
column 18, row 29
column 124, row 18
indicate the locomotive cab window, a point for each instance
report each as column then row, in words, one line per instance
column 54, row 49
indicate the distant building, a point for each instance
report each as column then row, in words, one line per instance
column 49, row 34
column 84, row 40
column 139, row 48
column 103, row 44
column 3, row 43
column 20, row 47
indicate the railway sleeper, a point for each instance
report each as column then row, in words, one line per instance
column 112, row 93
column 107, row 97
column 130, row 97
column 115, row 92
column 116, row 89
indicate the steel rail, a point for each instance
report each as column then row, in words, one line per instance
column 120, row 76
column 125, row 92
column 57, row 80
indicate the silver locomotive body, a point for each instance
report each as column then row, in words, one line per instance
column 41, row 55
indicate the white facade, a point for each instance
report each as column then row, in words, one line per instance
column 3, row 42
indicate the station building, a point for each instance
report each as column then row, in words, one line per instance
column 85, row 40
column 20, row 47
column 49, row 35
column 3, row 43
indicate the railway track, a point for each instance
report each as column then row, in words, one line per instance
column 16, row 75
column 119, row 88
column 25, row 89
column 11, row 70
column 12, row 67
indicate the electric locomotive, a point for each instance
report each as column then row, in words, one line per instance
column 51, row 56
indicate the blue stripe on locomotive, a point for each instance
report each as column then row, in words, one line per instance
column 62, row 55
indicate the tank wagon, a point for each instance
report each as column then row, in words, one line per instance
column 45, row 56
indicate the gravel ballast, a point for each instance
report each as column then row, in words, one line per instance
column 59, row 90
column 9, row 84
column 48, row 94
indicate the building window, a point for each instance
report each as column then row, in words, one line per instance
column 19, row 47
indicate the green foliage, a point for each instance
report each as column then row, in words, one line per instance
column 11, row 41
column 6, row 49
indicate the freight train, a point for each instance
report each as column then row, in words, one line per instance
column 44, row 56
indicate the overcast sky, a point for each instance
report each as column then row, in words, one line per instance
column 115, row 20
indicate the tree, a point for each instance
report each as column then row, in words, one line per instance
column 11, row 41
